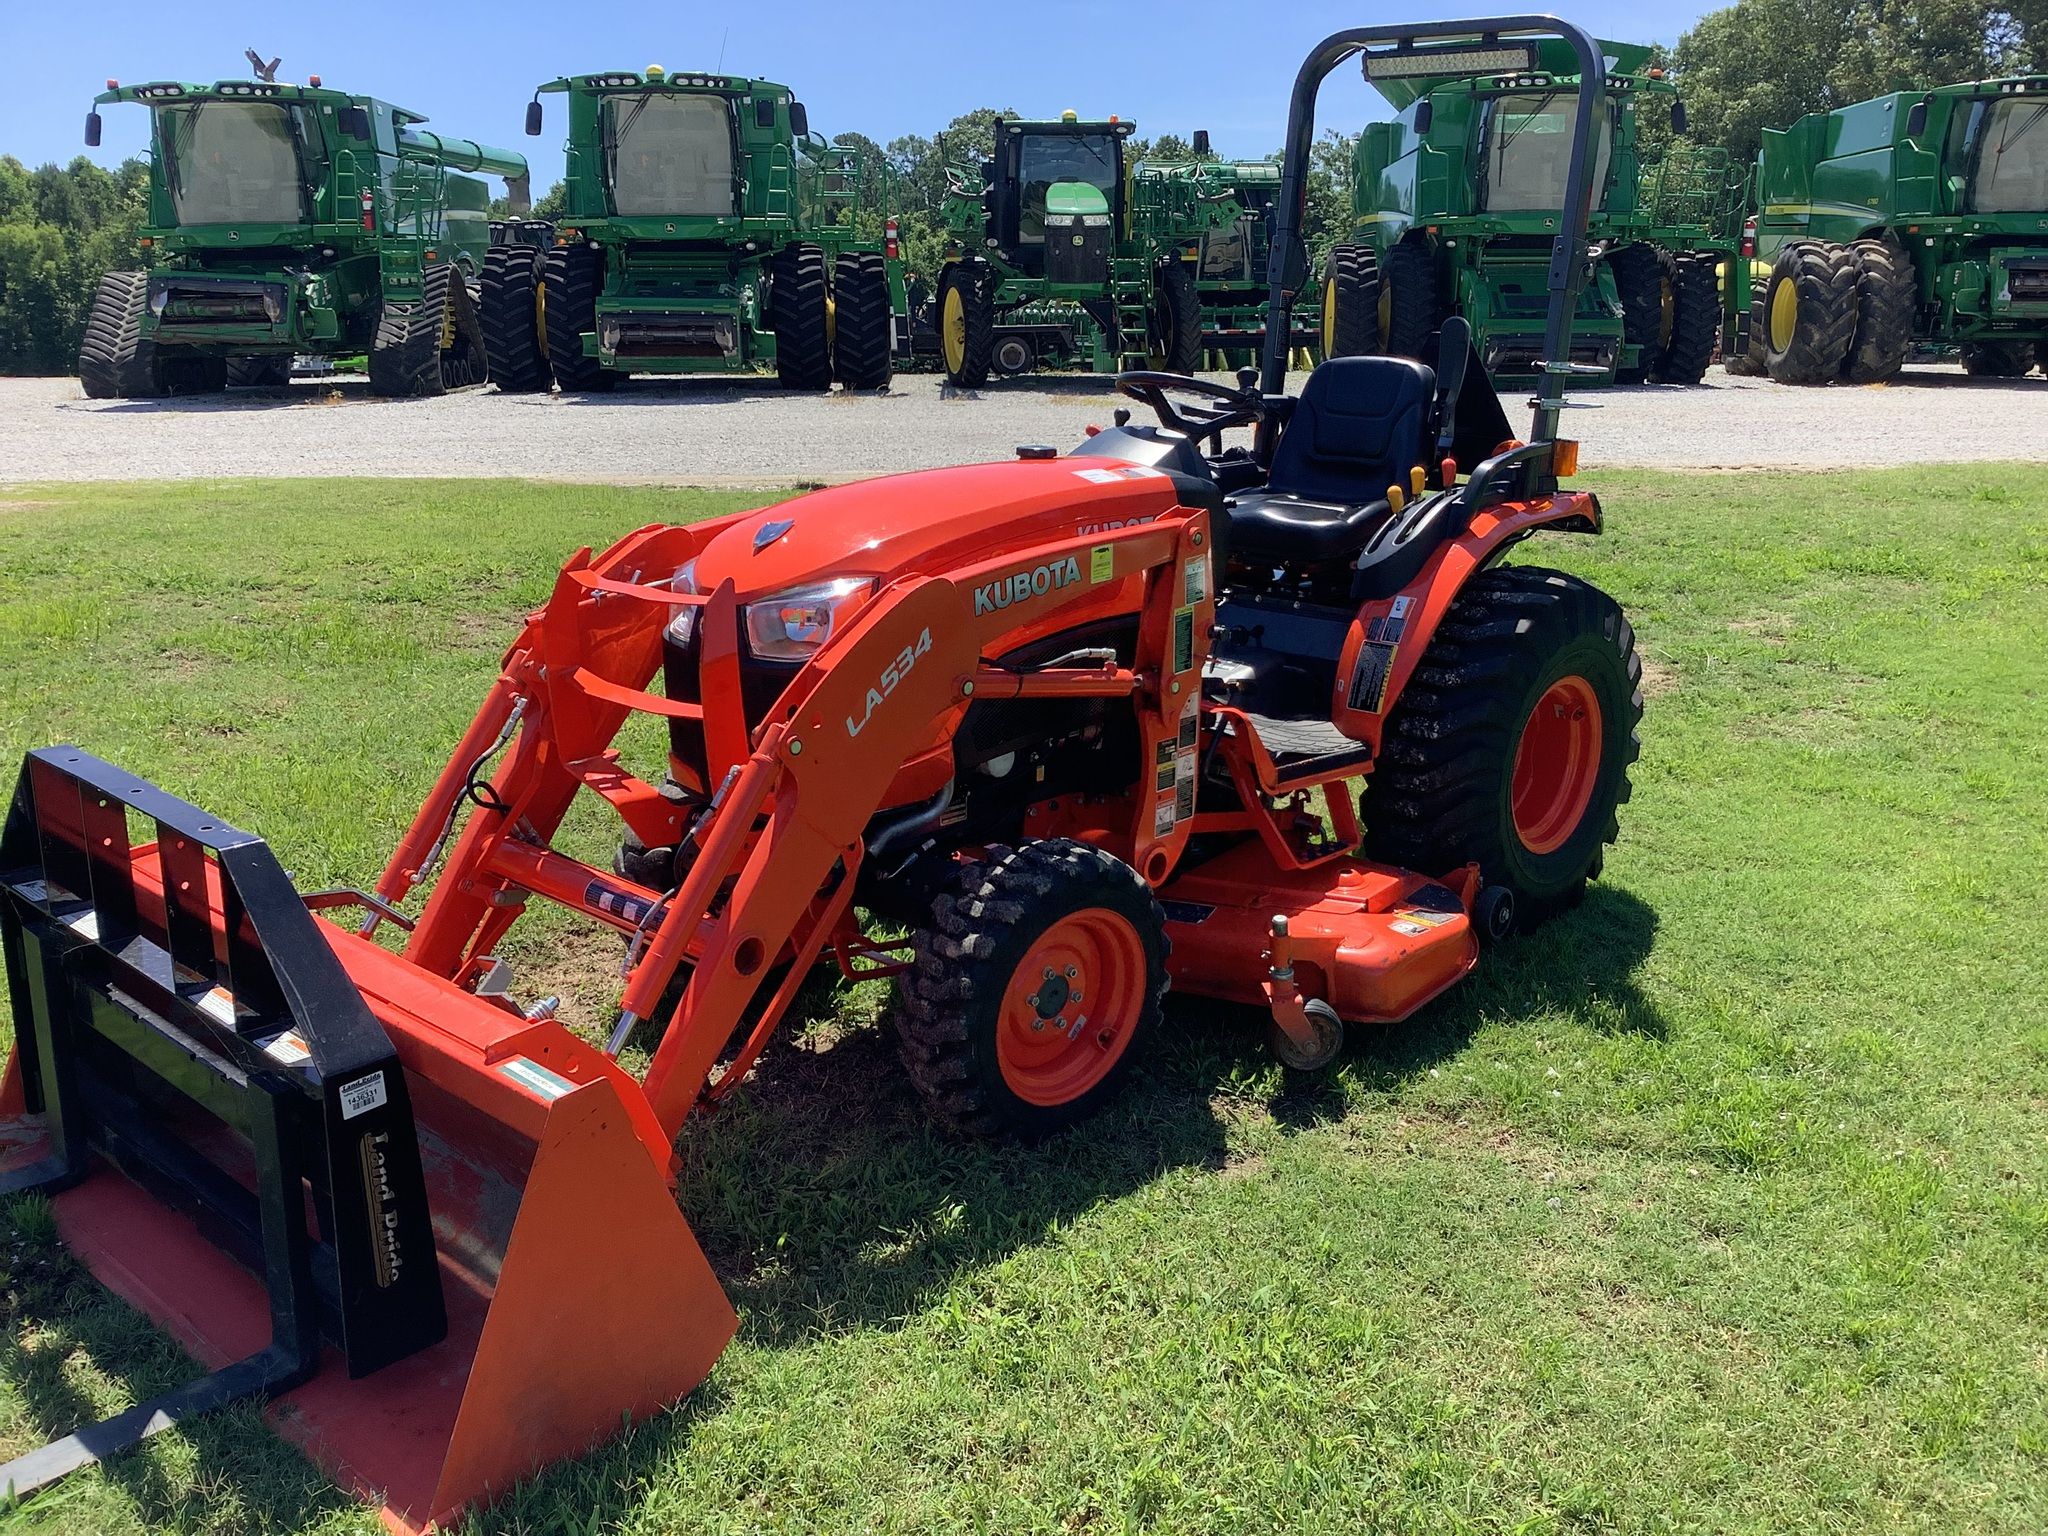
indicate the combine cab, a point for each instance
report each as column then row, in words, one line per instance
column 1079, row 726
column 705, row 229
column 295, row 221
column 1457, row 204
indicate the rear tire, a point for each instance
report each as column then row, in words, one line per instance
column 967, row 326
column 1810, row 312
column 1750, row 362
column 1998, row 359
column 1176, row 341
column 266, row 372
column 1647, row 280
column 572, row 276
column 1695, row 322
column 1511, row 745
column 991, row 1029
column 864, row 321
column 1885, row 296
column 1411, row 305
column 426, row 348
column 1351, row 302
column 114, row 361
column 510, row 310
column 802, row 299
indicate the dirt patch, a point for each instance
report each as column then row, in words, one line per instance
column 1659, row 677
column 23, row 506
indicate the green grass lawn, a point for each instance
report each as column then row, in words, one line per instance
column 1718, row 1205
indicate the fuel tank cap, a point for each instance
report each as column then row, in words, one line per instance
column 1036, row 451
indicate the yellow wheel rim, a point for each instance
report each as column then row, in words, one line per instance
column 1329, row 317
column 540, row 320
column 953, row 330
column 1784, row 313
column 831, row 322
column 1386, row 312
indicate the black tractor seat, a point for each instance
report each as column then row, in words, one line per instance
column 1362, row 424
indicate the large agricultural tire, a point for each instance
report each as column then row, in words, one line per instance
column 1351, row 302
column 802, row 309
column 510, row 309
column 1750, row 363
column 115, row 362
column 1175, row 344
column 1695, row 322
column 1885, row 296
column 429, row 347
column 967, row 326
column 1510, row 746
column 1998, row 359
column 1035, row 981
column 862, row 321
column 571, row 277
column 1411, row 305
column 1810, row 313
column 1646, row 277
column 254, row 372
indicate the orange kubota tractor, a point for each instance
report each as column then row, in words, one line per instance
column 1086, row 724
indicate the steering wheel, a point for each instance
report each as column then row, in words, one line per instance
column 1219, row 409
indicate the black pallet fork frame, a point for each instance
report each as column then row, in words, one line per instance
column 126, row 1002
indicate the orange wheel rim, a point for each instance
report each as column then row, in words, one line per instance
column 1071, row 1007
column 1557, row 765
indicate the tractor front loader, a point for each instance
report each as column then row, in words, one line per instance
column 1081, row 726
column 289, row 220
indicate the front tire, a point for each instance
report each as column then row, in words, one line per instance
column 863, row 319
column 1810, row 314
column 1750, row 363
column 511, row 307
column 426, row 348
column 573, row 276
column 1351, row 302
column 1176, row 344
column 1411, row 304
column 1885, row 295
column 1646, row 279
column 1695, row 322
column 1510, row 747
column 1036, row 979
column 802, row 304
column 115, row 361
column 967, row 326
column 258, row 372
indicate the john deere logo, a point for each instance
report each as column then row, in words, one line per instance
column 1035, row 582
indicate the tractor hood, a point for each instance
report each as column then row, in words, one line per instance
column 941, row 520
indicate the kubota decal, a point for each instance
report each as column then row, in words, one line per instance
column 893, row 675
column 1115, row 523
column 1019, row 585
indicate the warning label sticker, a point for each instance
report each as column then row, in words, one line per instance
column 287, row 1049
column 363, row 1095
column 1163, row 816
column 537, row 1079
column 1101, row 563
column 1195, row 579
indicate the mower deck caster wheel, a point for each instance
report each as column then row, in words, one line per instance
column 1493, row 914
column 1329, row 1030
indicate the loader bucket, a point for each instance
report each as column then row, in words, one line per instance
column 440, row 1238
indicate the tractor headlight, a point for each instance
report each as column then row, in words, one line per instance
column 682, row 622
column 159, row 300
column 793, row 625
column 273, row 306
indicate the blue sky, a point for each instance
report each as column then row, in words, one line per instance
column 883, row 67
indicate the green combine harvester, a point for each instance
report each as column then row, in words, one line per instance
column 705, row 229
column 1047, row 263
column 288, row 220
column 1214, row 215
column 1914, row 219
column 1457, row 201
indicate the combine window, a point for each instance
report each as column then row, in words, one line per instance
column 1045, row 159
column 670, row 156
column 234, row 162
column 2012, row 158
column 1529, row 153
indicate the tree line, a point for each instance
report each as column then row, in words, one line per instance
column 1750, row 66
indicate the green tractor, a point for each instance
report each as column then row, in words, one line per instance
column 292, row 219
column 1216, row 216
column 1915, row 219
column 1458, row 199
column 1047, row 227
column 705, row 229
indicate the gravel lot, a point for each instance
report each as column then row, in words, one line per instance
column 704, row 432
